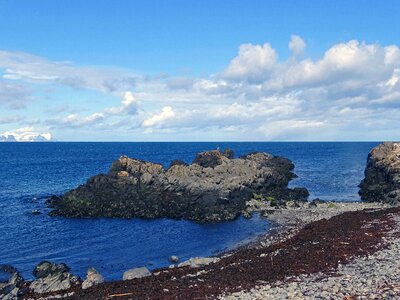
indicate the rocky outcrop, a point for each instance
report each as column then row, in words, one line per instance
column 213, row 188
column 382, row 174
column 52, row 277
column 11, row 283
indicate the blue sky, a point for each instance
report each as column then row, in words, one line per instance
column 200, row 70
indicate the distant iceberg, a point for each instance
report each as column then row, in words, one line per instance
column 26, row 134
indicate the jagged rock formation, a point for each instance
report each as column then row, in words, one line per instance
column 52, row 277
column 382, row 174
column 213, row 188
column 11, row 283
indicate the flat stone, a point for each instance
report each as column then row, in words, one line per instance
column 136, row 273
column 196, row 262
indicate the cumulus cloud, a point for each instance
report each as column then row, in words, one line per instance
column 129, row 105
column 351, row 91
column 348, row 87
column 252, row 63
column 166, row 114
column 297, row 45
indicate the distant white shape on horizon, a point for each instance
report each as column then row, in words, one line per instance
column 26, row 134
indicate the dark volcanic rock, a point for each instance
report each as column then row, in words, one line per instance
column 382, row 174
column 214, row 188
column 211, row 159
column 178, row 162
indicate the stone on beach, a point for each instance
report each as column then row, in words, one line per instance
column 173, row 259
column 93, row 277
column 196, row 262
column 52, row 277
column 136, row 273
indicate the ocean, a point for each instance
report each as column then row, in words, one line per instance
column 31, row 172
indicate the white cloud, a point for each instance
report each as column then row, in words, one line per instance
column 252, row 63
column 297, row 45
column 35, row 69
column 352, row 91
column 129, row 105
column 76, row 121
column 314, row 99
column 166, row 113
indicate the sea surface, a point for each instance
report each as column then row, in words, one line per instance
column 30, row 172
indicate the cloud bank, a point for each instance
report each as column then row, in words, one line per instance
column 350, row 92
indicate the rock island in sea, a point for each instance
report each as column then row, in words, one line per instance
column 214, row 188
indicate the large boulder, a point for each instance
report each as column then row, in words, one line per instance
column 52, row 277
column 213, row 188
column 382, row 174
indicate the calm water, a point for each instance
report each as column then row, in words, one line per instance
column 29, row 172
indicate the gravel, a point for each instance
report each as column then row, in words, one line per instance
column 376, row 276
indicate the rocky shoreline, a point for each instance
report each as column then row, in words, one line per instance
column 55, row 280
column 319, row 250
column 313, row 254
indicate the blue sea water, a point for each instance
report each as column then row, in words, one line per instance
column 30, row 172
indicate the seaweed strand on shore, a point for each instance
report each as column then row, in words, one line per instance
column 318, row 247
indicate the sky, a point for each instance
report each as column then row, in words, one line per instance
column 205, row 70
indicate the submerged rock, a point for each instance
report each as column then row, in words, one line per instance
column 136, row 273
column 382, row 174
column 93, row 277
column 52, row 277
column 215, row 187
